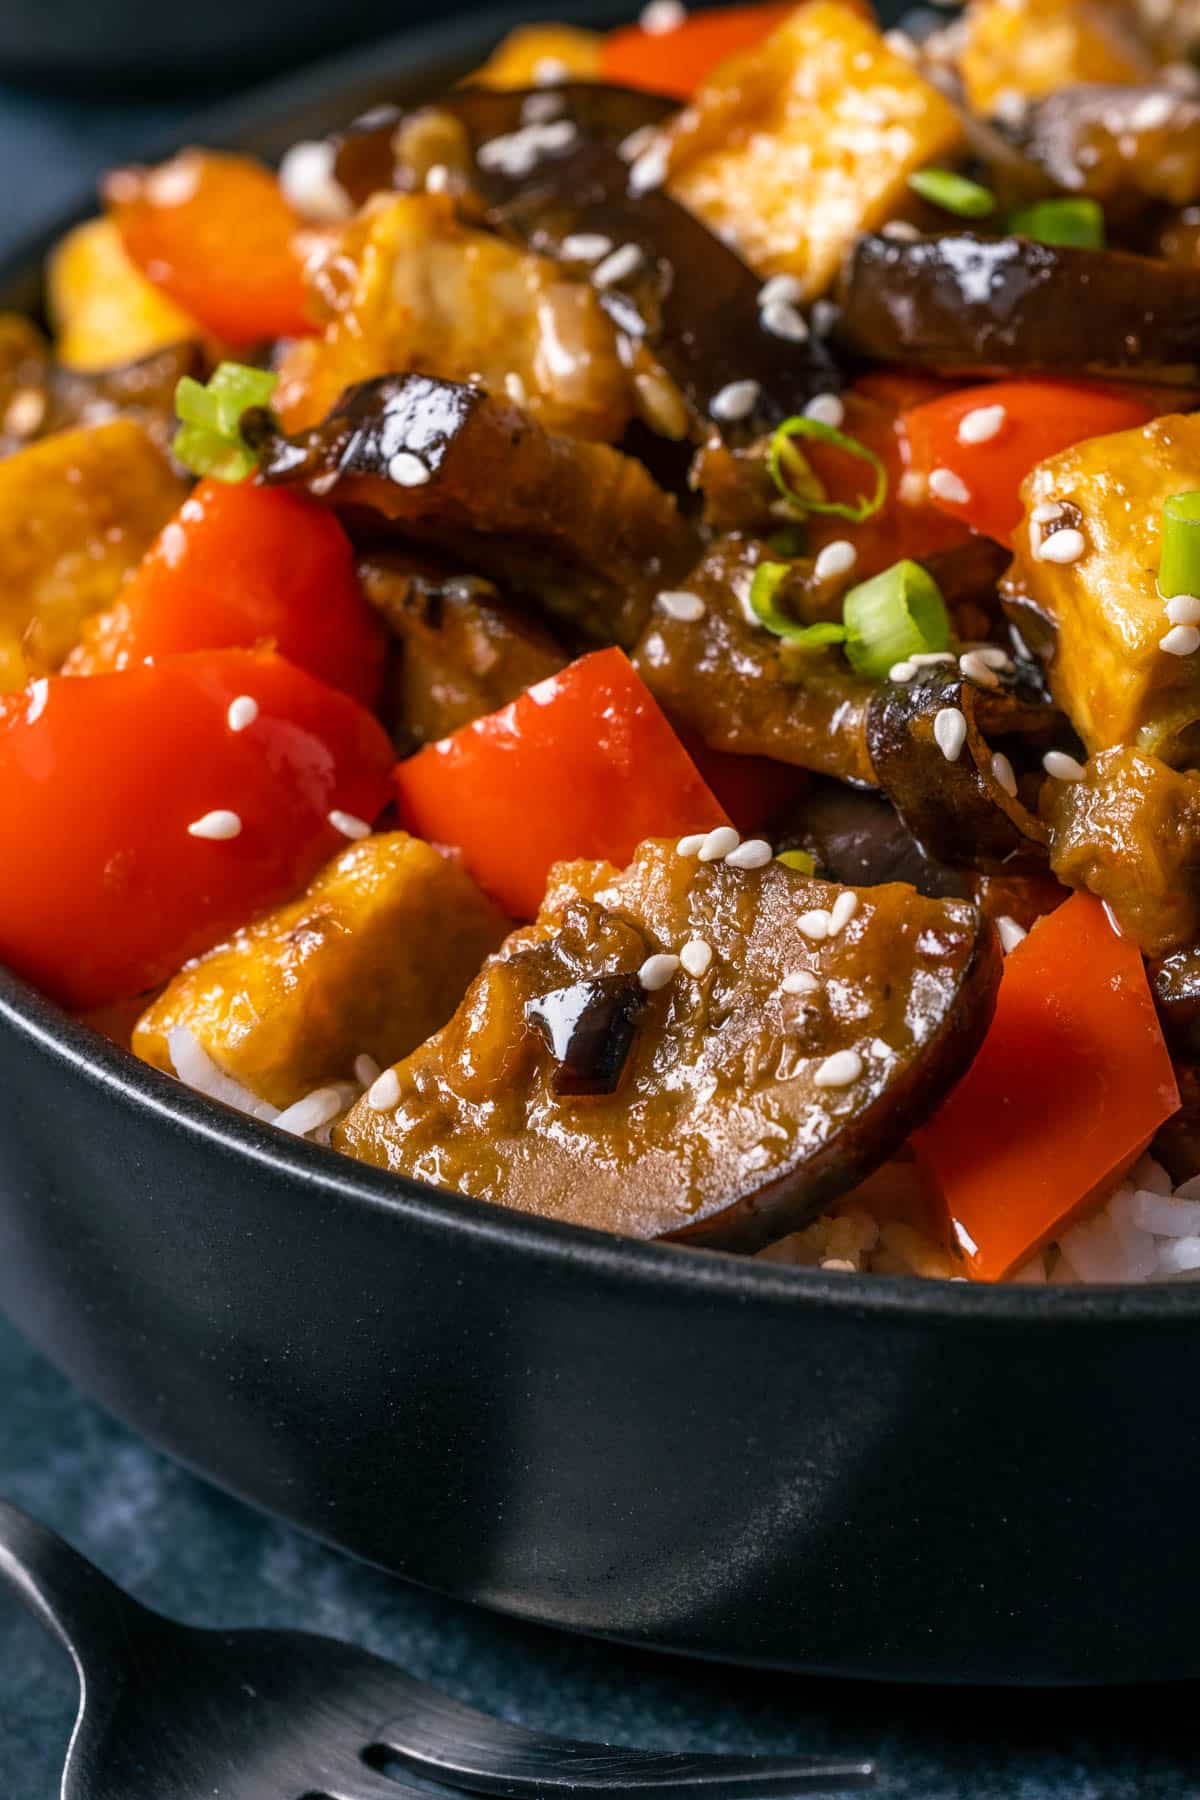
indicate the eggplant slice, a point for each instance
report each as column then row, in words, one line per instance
column 39, row 396
column 991, row 305
column 745, row 1106
column 579, row 526
column 687, row 297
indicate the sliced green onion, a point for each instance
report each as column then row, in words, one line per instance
column 1068, row 222
column 768, row 578
column 777, row 458
column 797, row 859
column 1179, row 564
column 895, row 615
column 953, row 193
column 209, row 439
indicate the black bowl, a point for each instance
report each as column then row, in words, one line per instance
column 872, row 1477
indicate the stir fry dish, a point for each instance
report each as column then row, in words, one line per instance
column 625, row 641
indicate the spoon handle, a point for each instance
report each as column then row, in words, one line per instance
column 65, row 1592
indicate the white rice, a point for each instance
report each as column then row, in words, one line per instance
column 312, row 1116
column 1147, row 1230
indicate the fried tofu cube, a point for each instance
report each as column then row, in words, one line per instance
column 370, row 959
column 793, row 149
column 533, row 54
column 1109, row 673
column 78, row 511
column 1026, row 49
column 103, row 309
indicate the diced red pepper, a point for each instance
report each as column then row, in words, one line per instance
column 106, row 891
column 215, row 233
column 1014, row 426
column 678, row 61
column 1071, row 1084
column 752, row 789
column 247, row 567
column 583, row 765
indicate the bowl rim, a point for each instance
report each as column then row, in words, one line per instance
column 338, row 1179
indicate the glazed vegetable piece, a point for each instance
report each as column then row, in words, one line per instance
column 581, row 526
column 39, row 396
column 77, row 513
column 1087, row 557
column 214, row 233
column 582, row 765
column 1175, row 984
column 1075, row 1067
column 103, row 310
column 241, row 566
column 795, row 148
column 1128, row 829
column 1022, row 49
column 1119, row 143
column 413, row 288
column 858, row 838
column 371, row 958
column 747, row 1099
column 542, row 54
column 680, row 59
column 1008, row 305
column 975, row 447
column 145, row 815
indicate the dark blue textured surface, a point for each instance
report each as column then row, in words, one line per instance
column 198, row 1555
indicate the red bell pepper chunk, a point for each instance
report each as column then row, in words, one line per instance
column 215, row 233
column 1034, row 420
column 106, row 891
column 680, row 60
column 247, row 567
column 583, row 765
column 752, row 789
column 1071, row 1084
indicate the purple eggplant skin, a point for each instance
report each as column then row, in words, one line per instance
column 1175, row 984
column 589, row 1029
column 857, row 837
column 1009, row 305
column 691, row 299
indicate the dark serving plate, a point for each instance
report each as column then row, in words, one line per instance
column 872, row 1477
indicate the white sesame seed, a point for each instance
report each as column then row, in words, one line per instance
column 1045, row 512
column 900, row 44
column 242, row 712
column 944, row 484
column 1011, row 934
column 736, row 400
column 515, row 388
column 839, row 1265
column 25, row 412
column 696, row 955
column 800, row 981
column 656, row 971
column 826, row 409
column 537, row 109
column 618, row 266
column 437, row 176
column 835, row 559
column 661, row 16
column 900, row 231
column 585, row 246
column 1061, row 547
column 902, row 671
column 631, row 147
column 1061, row 767
column 366, row 1070
column 348, row 824
column 548, row 70
column 974, row 669
column 218, row 824
column 755, row 853
column 814, row 924
column 882, row 1049
column 1152, row 112
column 782, row 320
column 717, row 843
column 1010, row 107
column 994, row 657
column 839, row 1070
column 1183, row 609
column 842, row 911
column 1002, row 774
column 383, row 1095
column 781, row 290
column 1181, row 640
column 309, row 183
column 649, row 171
column 981, row 424
column 690, row 845
column 678, row 604
column 912, row 489
column 950, row 732
column 407, row 470
column 929, row 659
column 173, row 183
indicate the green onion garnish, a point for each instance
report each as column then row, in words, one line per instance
column 953, row 193
column 768, row 578
column 209, row 439
column 777, row 459
column 895, row 615
column 1179, row 565
column 797, row 859
column 1068, row 222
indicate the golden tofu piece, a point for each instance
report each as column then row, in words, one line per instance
column 1103, row 608
column 103, row 310
column 371, row 958
column 411, row 290
column 1030, row 48
column 78, row 511
column 793, row 149
column 533, row 54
